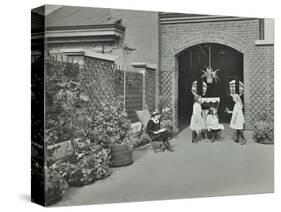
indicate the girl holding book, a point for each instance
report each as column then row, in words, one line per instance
column 156, row 133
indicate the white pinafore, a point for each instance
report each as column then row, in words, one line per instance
column 237, row 119
column 197, row 123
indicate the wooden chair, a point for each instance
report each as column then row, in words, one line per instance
column 208, row 102
column 144, row 116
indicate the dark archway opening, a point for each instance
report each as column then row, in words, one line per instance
column 190, row 63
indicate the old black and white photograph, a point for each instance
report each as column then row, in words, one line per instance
column 134, row 105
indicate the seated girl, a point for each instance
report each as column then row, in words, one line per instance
column 212, row 124
column 155, row 133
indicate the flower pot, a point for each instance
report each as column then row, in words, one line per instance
column 121, row 155
column 265, row 141
column 209, row 79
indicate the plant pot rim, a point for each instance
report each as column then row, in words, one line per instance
column 266, row 142
column 122, row 144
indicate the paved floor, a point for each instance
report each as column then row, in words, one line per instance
column 193, row 170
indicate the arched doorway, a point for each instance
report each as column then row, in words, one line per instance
column 192, row 61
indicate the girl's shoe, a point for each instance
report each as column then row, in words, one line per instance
column 195, row 141
column 203, row 134
column 194, row 137
column 237, row 140
column 169, row 147
column 162, row 148
column 243, row 142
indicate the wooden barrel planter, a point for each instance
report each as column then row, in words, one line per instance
column 121, row 155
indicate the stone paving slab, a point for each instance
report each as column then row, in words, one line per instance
column 193, row 170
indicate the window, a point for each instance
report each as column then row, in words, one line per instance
column 266, row 32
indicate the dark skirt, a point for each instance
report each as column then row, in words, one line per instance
column 163, row 136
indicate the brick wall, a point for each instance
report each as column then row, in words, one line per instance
column 141, row 33
column 238, row 34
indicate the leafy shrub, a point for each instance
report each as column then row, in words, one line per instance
column 136, row 140
column 91, row 126
column 162, row 101
column 263, row 129
column 62, row 99
column 76, row 175
column 75, row 116
column 55, row 186
column 88, row 163
column 167, row 121
column 110, row 121
column 168, row 124
column 70, row 172
column 37, row 177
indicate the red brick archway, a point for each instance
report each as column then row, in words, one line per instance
column 209, row 37
column 196, row 58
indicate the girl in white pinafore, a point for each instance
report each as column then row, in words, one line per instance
column 197, row 123
column 237, row 119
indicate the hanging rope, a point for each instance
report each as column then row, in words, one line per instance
column 210, row 65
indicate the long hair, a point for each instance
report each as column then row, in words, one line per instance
column 237, row 98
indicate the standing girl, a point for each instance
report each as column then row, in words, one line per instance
column 237, row 119
column 197, row 123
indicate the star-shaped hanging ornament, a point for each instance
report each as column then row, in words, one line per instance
column 210, row 74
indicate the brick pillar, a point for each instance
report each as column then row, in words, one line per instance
column 144, row 104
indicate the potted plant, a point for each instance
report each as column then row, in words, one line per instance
column 162, row 101
column 70, row 117
column 167, row 121
column 55, row 185
column 111, row 127
column 263, row 130
column 121, row 155
column 120, row 147
column 138, row 140
column 89, row 162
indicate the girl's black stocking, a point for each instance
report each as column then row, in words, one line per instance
column 242, row 134
column 237, row 136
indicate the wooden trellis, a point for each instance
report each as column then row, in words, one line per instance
column 103, row 80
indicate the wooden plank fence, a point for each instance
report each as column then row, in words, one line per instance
column 132, row 89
